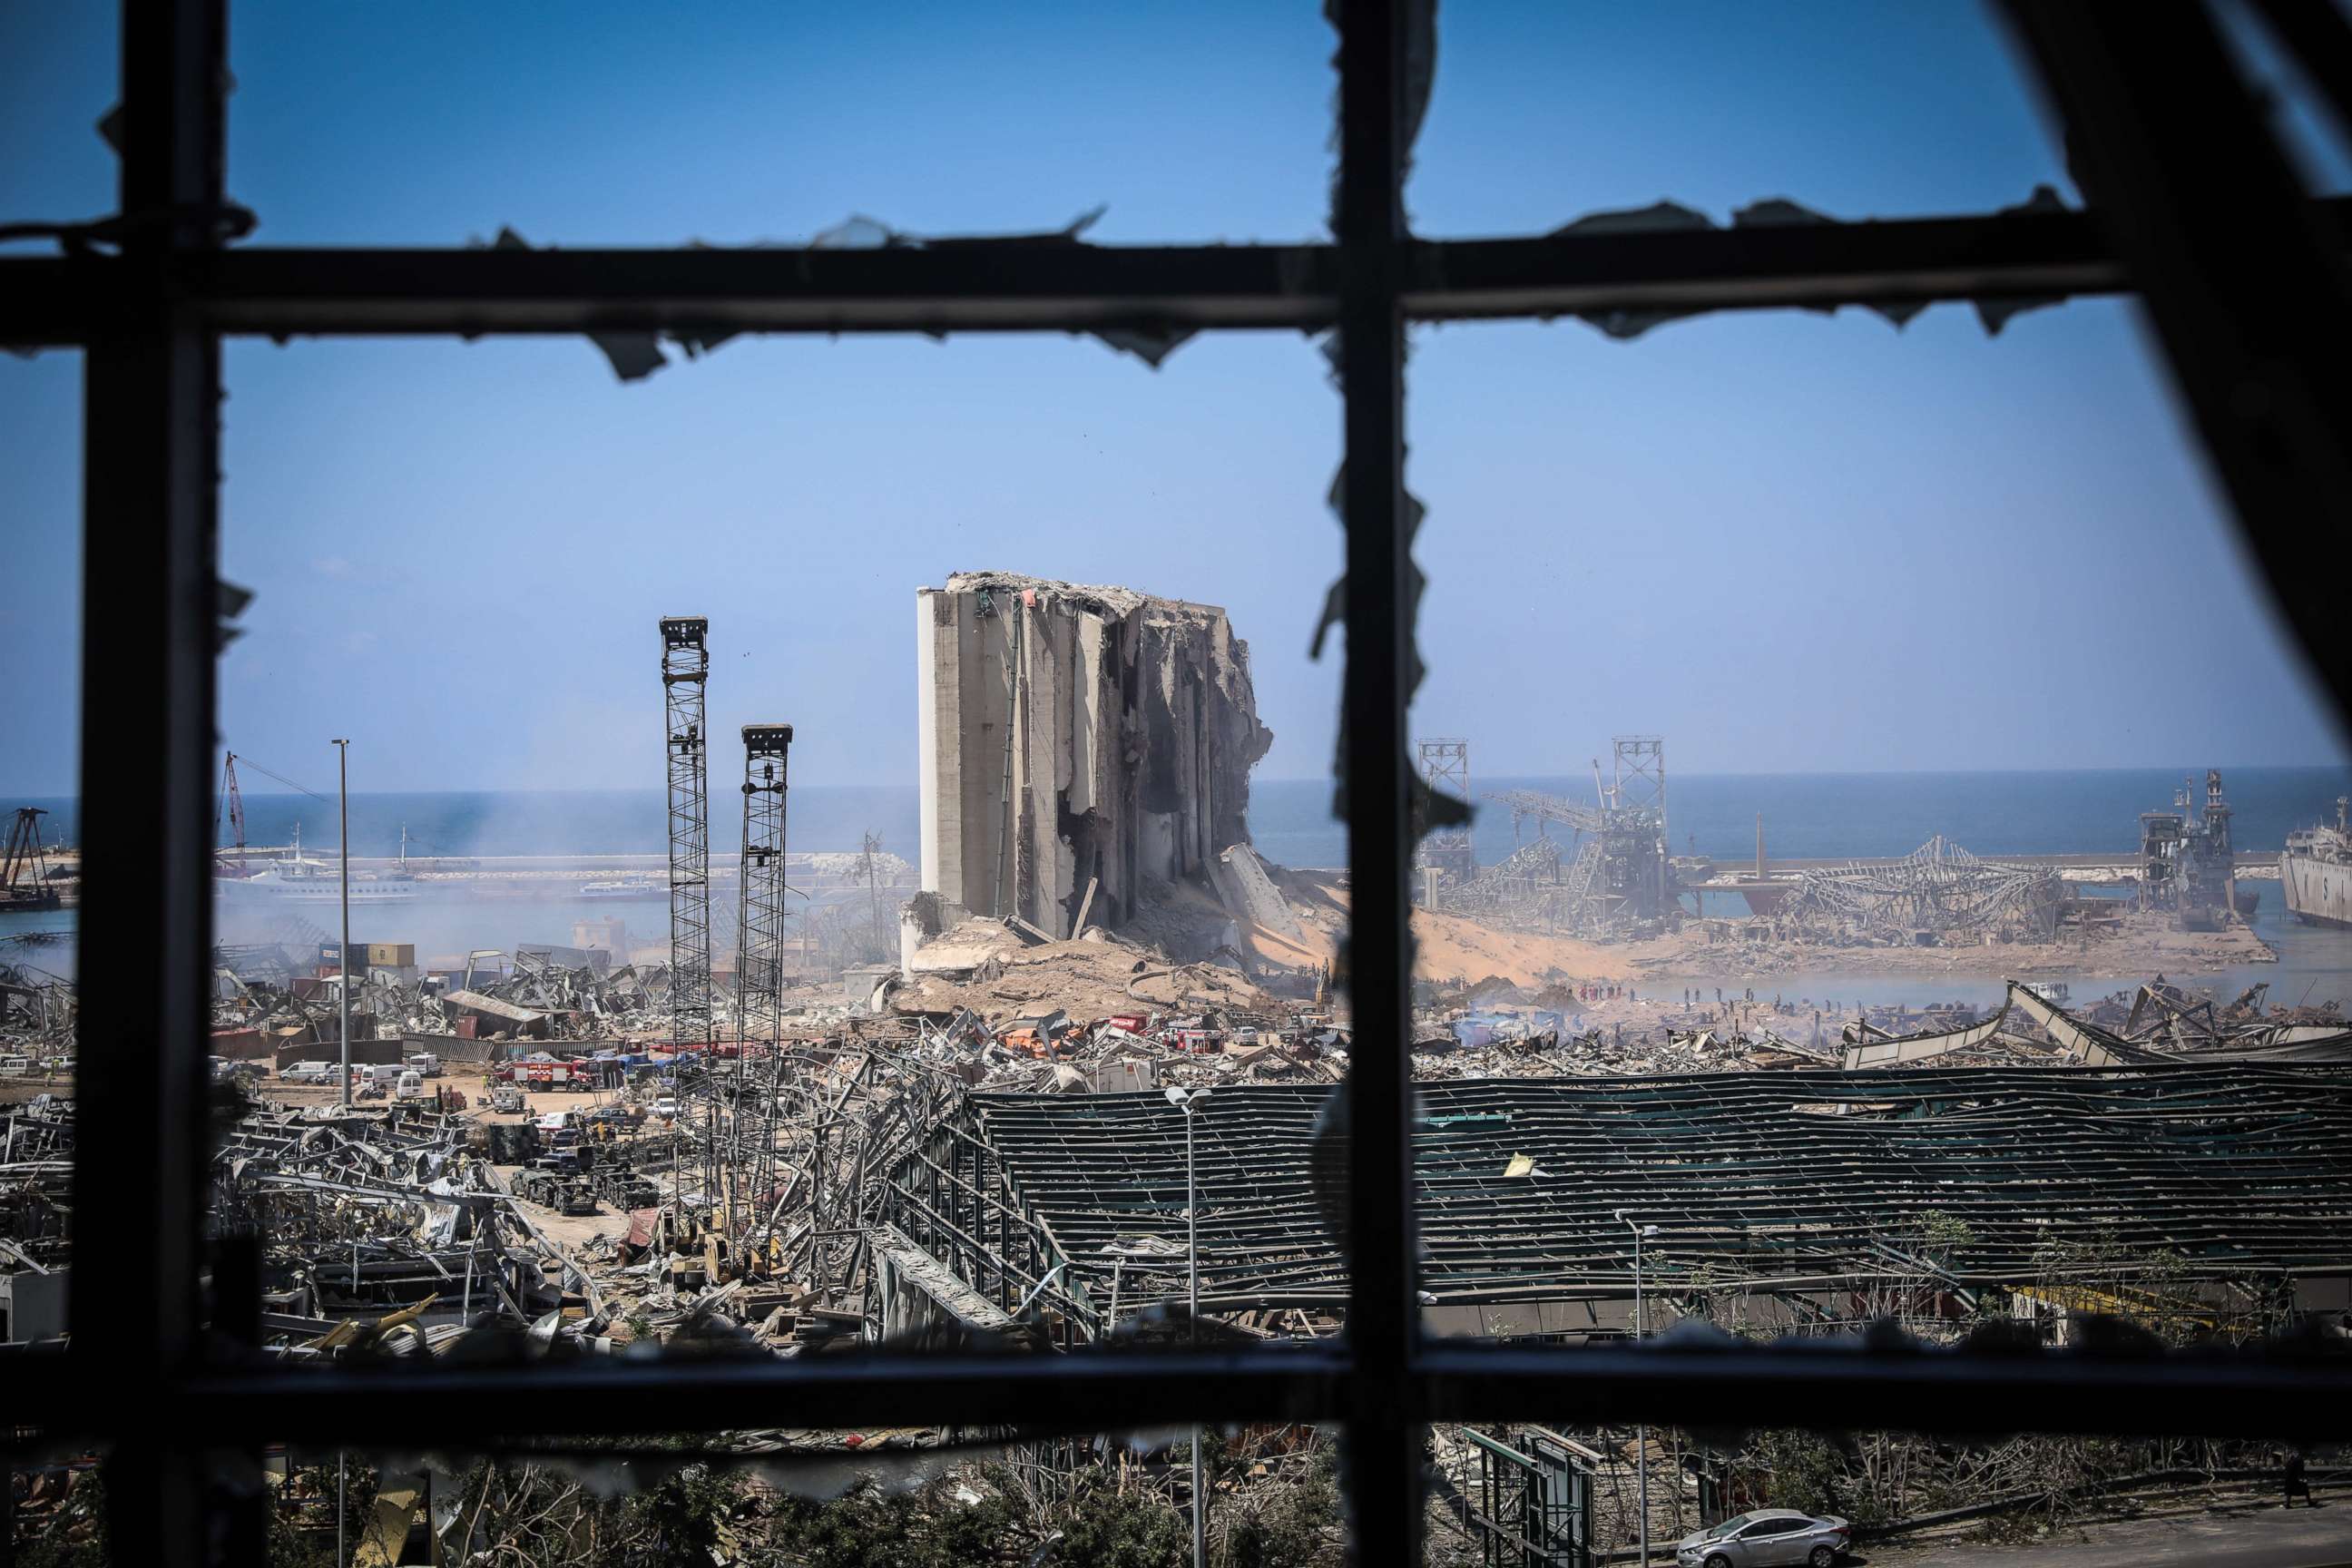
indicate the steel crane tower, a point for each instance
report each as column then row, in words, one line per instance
column 758, row 966
column 685, row 666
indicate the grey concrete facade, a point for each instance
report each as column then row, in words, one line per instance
column 1073, row 736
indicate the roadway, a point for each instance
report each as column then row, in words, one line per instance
column 2264, row 1537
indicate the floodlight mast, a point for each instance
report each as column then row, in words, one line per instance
column 1191, row 1102
column 343, row 887
column 1642, row 1430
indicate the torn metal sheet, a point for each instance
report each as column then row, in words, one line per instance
column 636, row 355
column 1778, row 212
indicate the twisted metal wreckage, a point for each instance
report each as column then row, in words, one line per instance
column 405, row 1218
column 2164, row 1024
column 1938, row 891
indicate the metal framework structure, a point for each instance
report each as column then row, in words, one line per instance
column 1938, row 888
column 1621, row 873
column 2195, row 209
column 685, row 671
column 760, row 938
column 2187, row 864
column 25, row 863
column 1533, row 1508
column 1449, row 852
column 1640, row 786
column 758, row 942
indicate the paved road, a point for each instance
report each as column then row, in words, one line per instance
column 2258, row 1537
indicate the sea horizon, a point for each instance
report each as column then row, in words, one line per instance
column 1827, row 815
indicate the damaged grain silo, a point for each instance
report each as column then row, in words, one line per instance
column 1077, row 743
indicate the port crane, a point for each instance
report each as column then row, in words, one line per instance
column 231, row 804
column 24, row 861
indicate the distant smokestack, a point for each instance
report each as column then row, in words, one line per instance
column 1759, row 846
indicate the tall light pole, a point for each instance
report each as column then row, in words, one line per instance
column 344, row 880
column 1641, row 1431
column 1189, row 1102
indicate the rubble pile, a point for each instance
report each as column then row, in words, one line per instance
column 37, row 1013
column 992, row 967
column 387, row 1230
column 37, row 1147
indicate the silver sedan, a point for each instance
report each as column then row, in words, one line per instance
column 1769, row 1535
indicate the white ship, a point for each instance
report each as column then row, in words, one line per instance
column 625, row 887
column 293, row 878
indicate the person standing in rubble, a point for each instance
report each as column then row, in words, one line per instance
column 2295, row 1483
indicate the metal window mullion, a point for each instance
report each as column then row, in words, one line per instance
column 2251, row 1395
column 150, row 613
column 1382, row 1493
column 278, row 292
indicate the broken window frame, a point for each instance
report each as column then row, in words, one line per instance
column 2196, row 210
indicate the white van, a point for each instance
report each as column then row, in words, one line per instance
column 385, row 1073
column 310, row 1072
column 410, row 1087
column 426, row 1065
column 15, row 1067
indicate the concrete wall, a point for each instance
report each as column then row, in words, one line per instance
column 1124, row 725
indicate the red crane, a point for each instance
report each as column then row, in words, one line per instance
column 232, row 801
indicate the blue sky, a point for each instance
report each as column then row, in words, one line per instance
column 1789, row 542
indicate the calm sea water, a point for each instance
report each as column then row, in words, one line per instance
column 1805, row 817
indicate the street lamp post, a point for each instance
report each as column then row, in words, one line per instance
column 343, row 881
column 1642, row 1430
column 1189, row 1102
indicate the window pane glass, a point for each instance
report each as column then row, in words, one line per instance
column 920, row 1495
column 1509, row 1492
column 40, row 645
column 1955, row 679
column 736, row 123
column 57, row 80
column 964, row 931
column 1544, row 114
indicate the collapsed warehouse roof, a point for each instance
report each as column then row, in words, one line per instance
column 1809, row 1178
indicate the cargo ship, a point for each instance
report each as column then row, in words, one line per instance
column 2315, row 870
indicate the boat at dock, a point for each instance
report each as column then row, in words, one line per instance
column 293, row 878
column 2315, row 870
column 625, row 887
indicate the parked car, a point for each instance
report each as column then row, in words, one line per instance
column 1771, row 1535
column 310, row 1072
column 424, row 1065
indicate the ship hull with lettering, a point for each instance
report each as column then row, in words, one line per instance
column 2315, row 870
